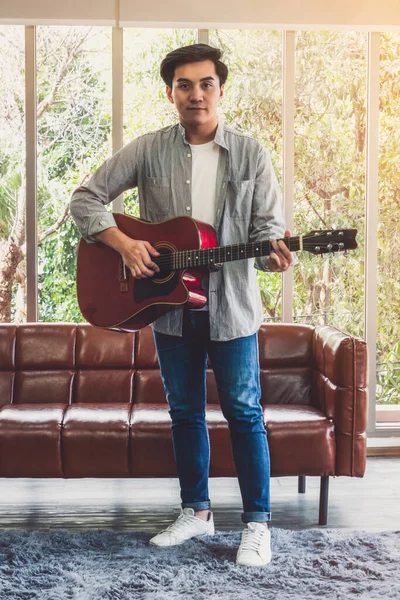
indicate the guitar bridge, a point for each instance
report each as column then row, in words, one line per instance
column 123, row 276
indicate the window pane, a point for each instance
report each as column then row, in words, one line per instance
column 146, row 106
column 388, row 325
column 253, row 104
column 12, row 175
column 330, row 113
column 74, row 138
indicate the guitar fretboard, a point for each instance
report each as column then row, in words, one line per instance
column 210, row 256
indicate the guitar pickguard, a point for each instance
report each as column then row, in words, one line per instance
column 160, row 285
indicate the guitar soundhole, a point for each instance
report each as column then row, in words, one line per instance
column 162, row 284
column 165, row 269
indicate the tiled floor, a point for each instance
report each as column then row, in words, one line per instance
column 371, row 503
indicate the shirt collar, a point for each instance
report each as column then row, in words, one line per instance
column 219, row 134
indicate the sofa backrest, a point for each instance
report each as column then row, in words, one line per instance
column 66, row 363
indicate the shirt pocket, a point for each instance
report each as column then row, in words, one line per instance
column 157, row 197
column 239, row 199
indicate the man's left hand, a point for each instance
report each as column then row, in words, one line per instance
column 280, row 258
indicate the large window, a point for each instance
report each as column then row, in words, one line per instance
column 388, row 322
column 12, row 175
column 146, row 107
column 330, row 125
column 74, row 137
column 74, row 125
column 253, row 104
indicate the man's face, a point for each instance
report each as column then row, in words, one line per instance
column 196, row 92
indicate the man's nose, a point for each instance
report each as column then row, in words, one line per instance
column 196, row 94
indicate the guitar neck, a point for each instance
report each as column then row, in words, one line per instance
column 206, row 257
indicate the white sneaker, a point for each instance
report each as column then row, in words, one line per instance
column 255, row 547
column 185, row 527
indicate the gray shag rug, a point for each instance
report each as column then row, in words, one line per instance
column 105, row 564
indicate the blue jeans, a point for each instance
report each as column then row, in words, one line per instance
column 183, row 362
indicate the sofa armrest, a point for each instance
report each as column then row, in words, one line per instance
column 340, row 391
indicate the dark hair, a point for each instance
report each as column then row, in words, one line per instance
column 190, row 54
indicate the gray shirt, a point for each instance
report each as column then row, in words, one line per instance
column 249, row 209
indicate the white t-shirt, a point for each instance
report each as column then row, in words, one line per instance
column 204, row 182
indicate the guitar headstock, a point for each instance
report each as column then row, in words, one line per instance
column 330, row 240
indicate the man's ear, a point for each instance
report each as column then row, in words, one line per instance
column 168, row 91
column 222, row 91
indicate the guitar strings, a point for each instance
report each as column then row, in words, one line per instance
column 183, row 255
column 166, row 260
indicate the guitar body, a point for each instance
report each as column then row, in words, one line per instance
column 109, row 296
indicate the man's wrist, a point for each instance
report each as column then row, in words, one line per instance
column 113, row 237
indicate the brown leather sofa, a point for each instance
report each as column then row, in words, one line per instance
column 78, row 401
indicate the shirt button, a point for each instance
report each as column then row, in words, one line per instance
column 189, row 155
column 188, row 208
column 187, row 180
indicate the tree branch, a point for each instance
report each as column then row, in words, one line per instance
column 316, row 212
column 53, row 228
column 56, row 225
column 326, row 195
column 62, row 72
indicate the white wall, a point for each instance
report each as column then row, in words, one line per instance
column 32, row 12
column 374, row 15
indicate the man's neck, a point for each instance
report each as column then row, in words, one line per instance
column 201, row 134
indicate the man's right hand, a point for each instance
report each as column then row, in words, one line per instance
column 137, row 256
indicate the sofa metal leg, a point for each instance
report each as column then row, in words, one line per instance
column 323, row 500
column 302, row 484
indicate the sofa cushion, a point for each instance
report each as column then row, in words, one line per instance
column 30, row 440
column 45, row 346
column 145, row 349
column 104, row 349
column 95, row 439
column 7, row 379
column 148, row 387
column 287, row 385
column 104, row 386
column 150, row 450
column 43, row 387
column 151, row 442
column 289, row 345
column 8, row 334
column 301, row 440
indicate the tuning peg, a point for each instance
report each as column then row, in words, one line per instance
column 346, row 253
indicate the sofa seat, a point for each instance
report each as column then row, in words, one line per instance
column 59, row 440
column 119, row 440
column 30, row 440
column 301, row 440
column 151, row 435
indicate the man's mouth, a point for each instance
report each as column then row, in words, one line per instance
column 195, row 108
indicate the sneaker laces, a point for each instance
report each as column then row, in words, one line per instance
column 252, row 537
column 180, row 523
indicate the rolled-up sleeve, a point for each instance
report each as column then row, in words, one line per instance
column 267, row 221
column 88, row 202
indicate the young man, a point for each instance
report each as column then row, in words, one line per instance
column 203, row 169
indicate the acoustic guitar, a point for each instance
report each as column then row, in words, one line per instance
column 110, row 297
